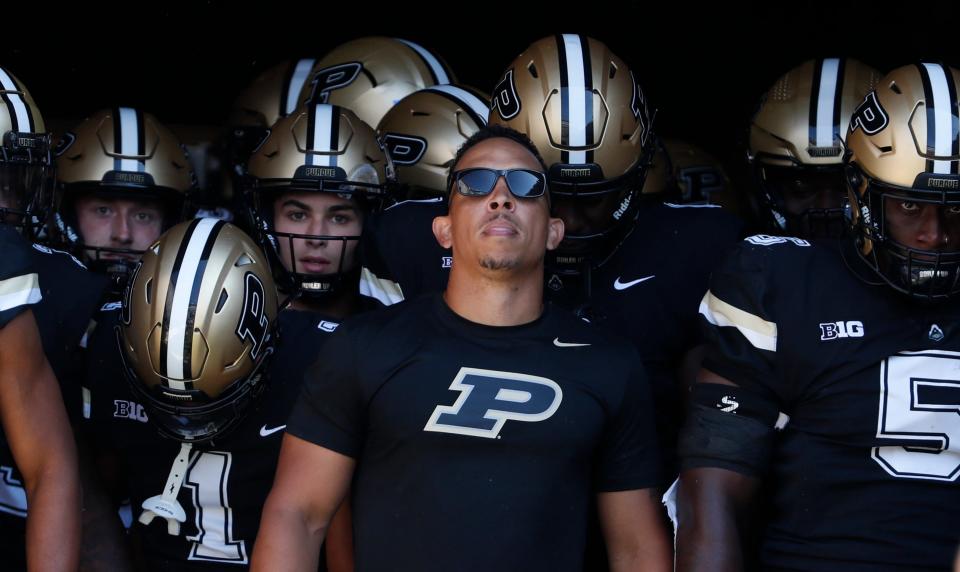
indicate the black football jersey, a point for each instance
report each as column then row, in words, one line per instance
column 19, row 283
column 228, row 480
column 71, row 296
column 68, row 294
column 465, row 432
column 398, row 246
column 864, row 475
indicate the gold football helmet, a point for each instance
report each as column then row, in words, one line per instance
column 121, row 152
column 197, row 324
column 319, row 148
column 582, row 107
column 797, row 142
column 370, row 75
column 274, row 94
column 26, row 167
column 423, row 132
column 903, row 150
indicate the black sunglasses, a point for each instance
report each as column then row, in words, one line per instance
column 479, row 182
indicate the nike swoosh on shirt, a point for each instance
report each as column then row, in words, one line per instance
column 264, row 432
column 624, row 285
column 559, row 344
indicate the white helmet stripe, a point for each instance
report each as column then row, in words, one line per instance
column 431, row 60
column 20, row 114
column 466, row 98
column 942, row 116
column 826, row 100
column 189, row 278
column 129, row 140
column 573, row 53
column 301, row 73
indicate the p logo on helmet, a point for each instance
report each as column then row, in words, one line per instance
column 870, row 116
column 254, row 323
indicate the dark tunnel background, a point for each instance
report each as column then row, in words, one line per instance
column 703, row 67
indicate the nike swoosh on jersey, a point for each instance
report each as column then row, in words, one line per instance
column 624, row 285
column 264, row 432
column 559, row 344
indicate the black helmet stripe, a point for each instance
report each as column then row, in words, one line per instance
column 954, row 121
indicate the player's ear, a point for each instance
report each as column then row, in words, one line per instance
column 555, row 230
column 442, row 231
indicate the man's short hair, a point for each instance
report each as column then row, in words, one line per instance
column 492, row 132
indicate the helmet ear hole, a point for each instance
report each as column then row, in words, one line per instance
column 854, row 178
column 613, row 70
column 148, row 289
column 221, row 301
column 532, row 68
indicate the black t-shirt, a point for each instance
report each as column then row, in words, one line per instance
column 70, row 295
column 864, row 476
column 647, row 291
column 478, row 447
column 228, row 480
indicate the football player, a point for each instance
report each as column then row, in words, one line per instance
column 853, row 349
column 310, row 186
column 69, row 293
column 122, row 179
column 796, row 146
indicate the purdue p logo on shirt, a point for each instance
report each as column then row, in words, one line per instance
column 489, row 398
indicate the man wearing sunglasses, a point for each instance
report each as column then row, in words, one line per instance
column 476, row 424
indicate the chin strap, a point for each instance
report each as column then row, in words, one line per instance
column 166, row 505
